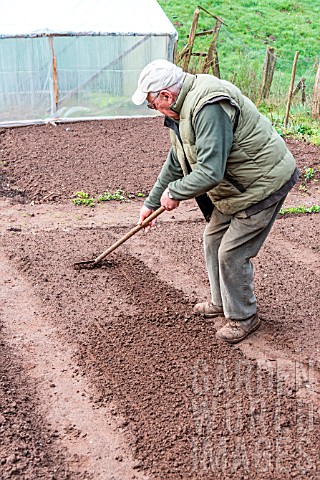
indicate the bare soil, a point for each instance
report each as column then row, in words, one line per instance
column 105, row 372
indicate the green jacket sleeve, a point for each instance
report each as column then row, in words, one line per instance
column 214, row 137
column 170, row 171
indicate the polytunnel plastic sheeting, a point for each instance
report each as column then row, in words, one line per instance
column 79, row 60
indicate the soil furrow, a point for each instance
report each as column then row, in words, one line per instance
column 85, row 432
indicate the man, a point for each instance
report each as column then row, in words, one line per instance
column 229, row 157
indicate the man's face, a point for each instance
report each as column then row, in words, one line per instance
column 162, row 102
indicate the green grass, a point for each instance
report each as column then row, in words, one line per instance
column 285, row 25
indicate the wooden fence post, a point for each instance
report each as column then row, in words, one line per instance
column 267, row 73
column 212, row 56
column 315, row 104
column 54, row 73
column 291, row 88
column 210, row 59
column 189, row 47
column 301, row 86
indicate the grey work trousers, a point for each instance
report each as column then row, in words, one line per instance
column 229, row 244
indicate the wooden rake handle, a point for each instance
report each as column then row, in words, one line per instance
column 125, row 237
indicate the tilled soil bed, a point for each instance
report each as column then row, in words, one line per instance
column 106, row 373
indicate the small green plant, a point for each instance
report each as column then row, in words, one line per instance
column 308, row 173
column 119, row 195
column 82, row 198
column 301, row 209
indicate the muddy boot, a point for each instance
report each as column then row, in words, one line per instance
column 208, row 310
column 236, row 330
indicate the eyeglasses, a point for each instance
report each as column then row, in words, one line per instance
column 151, row 105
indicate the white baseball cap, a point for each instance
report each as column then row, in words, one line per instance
column 156, row 76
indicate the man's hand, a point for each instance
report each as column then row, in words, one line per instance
column 145, row 212
column 168, row 203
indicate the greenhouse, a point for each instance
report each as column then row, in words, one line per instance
column 77, row 59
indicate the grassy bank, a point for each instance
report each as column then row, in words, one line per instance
column 286, row 25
